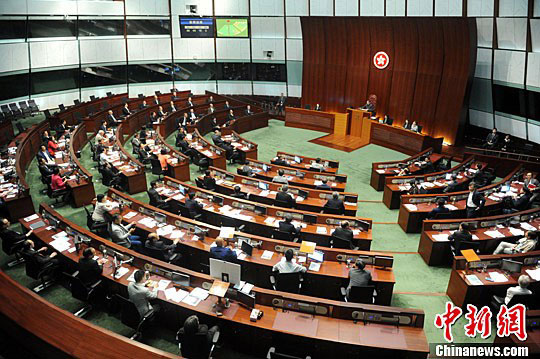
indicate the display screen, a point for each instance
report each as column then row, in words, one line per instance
column 232, row 27
column 196, row 27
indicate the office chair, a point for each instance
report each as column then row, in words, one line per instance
column 528, row 300
column 24, row 108
column 184, row 212
column 231, row 222
column 342, row 243
column 33, row 106
column 328, row 210
column 159, row 254
column 13, row 249
column 44, row 273
column 286, row 282
column 359, row 294
column 447, row 215
column 419, row 129
column 62, row 107
column 273, row 354
column 17, row 113
column 57, row 195
column 82, row 292
column 130, row 316
column 201, row 161
column 465, row 245
column 283, row 204
column 199, row 182
column 390, row 121
column 98, row 228
column 141, row 96
column 284, row 236
column 156, row 167
column 196, row 346
column 109, row 94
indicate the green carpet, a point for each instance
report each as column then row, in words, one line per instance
column 417, row 285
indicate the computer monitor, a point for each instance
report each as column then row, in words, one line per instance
column 247, row 300
column 300, row 174
column 472, row 225
column 247, row 248
column 341, row 179
column 297, row 159
column 384, row 262
column 511, row 266
column 160, row 217
column 310, row 218
column 317, row 256
column 303, row 194
column 265, row 168
column 260, row 210
column 225, row 271
column 53, row 222
column 218, row 200
column 180, row 279
column 181, row 189
column 263, row 186
column 351, row 199
column 366, row 259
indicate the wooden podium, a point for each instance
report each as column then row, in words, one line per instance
column 360, row 123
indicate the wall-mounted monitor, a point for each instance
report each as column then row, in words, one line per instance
column 232, row 27
column 196, row 27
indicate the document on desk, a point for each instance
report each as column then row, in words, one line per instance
column 148, row 222
column 178, row 197
column 31, row 218
column 494, row 234
column 120, row 272
column 226, row 232
column 267, row 255
column 60, row 244
column 321, row 230
column 314, row 266
column 380, row 171
column 441, row 237
column 317, row 182
column 498, row 277
column 247, row 287
column 473, row 279
column 163, row 231
column 59, row 235
column 451, row 207
column 264, row 193
column 162, row 284
column 200, row 293
column 177, row 234
column 270, row 221
column 411, row 207
column 516, row 231
column 191, row 300
column 534, row 273
column 131, row 277
column 528, row 227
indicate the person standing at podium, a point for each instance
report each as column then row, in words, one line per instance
column 370, row 105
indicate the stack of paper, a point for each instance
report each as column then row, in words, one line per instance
column 534, row 273
column 267, row 255
column 163, row 231
column 120, row 272
column 200, row 293
column 226, row 232
column 162, row 284
column 528, row 227
column 498, row 277
column 516, row 231
column 473, row 279
column 61, row 244
column 440, row 237
column 315, row 266
column 380, row 171
column 264, row 193
column 410, row 207
column 130, row 215
column 177, row 234
column 191, row 300
column 31, row 218
column 451, row 207
column 270, row 221
column 148, row 222
column 175, row 296
column 317, row 182
column 494, row 234
column 321, row 230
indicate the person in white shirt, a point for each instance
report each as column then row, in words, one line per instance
column 102, row 206
column 100, row 135
column 317, row 164
column 280, row 178
column 287, row 265
column 173, row 108
column 139, row 293
column 414, row 126
column 524, row 245
column 521, row 289
column 192, row 115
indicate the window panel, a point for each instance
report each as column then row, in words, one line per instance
column 52, row 28
column 234, row 71
column 148, row 27
column 509, row 100
column 96, row 76
column 194, row 71
column 149, row 73
column 101, row 27
column 13, row 86
column 12, row 29
column 269, row 72
column 51, row 81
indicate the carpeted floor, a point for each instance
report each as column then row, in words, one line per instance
column 417, row 285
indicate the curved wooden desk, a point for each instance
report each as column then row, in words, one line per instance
column 333, row 329
column 74, row 114
column 314, row 202
column 403, row 140
column 83, row 191
column 434, row 246
column 381, row 170
column 415, row 207
column 214, row 154
column 305, row 164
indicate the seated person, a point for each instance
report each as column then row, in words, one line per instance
column 184, row 121
column 287, row 226
column 174, row 96
column 404, row 171
column 507, row 144
column 143, row 105
column 414, row 126
column 52, row 146
column 369, row 106
column 209, row 182
column 317, row 107
column 441, row 202
column 45, row 137
column 123, row 234
column 519, row 203
column 164, row 160
column 317, row 165
column 248, row 111
column 287, row 265
column 520, row 289
column 45, row 155
column 238, row 193
column 111, row 120
column 156, row 100
column 211, row 109
column 406, row 125
column 248, row 171
column 226, row 106
column 101, row 136
column 344, row 232
column 523, row 245
column 90, row 269
column 230, row 118
column 335, row 203
column 172, row 107
column 324, row 185
column 492, row 139
column 280, row 177
column 192, row 205
column 280, row 161
column 210, row 99
column 196, row 339
column 103, row 126
column 155, row 197
column 220, row 252
column 140, row 295
column 125, row 110
column 10, row 237
column 59, row 184
column 358, row 276
column 462, row 234
column 102, row 206
column 45, row 170
column 62, row 129
column 452, row 185
column 216, row 138
column 531, row 184
column 161, row 113
column 145, row 154
column 136, row 140
column 416, row 188
column 40, row 255
column 284, row 196
column 168, row 250
column 192, row 118
column 189, row 102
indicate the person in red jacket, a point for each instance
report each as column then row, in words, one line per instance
column 52, row 146
column 58, row 183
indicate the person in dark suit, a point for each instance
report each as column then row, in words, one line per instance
column 452, row 185
column 344, row 232
column 279, row 161
column 155, row 197
column 45, row 155
column 284, row 196
column 230, row 117
column 189, row 102
column 161, row 113
column 406, row 125
column 210, row 99
column 143, row 105
column 90, row 269
column 317, row 107
column 287, row 226
column 45, row 137
column 324, row 185
column 154, row 242
column 196, row 339
column 111, row 120
column 211, row 109
column 216, row 138
column 281, row 103
column 507, row 144
column 45, row 170
column 358, row 276
column 103, row 126
column 62, row 129
column 209, row 182
column 220, row 252
column 227, row 106
column 369, row 106
column 238, row 193
column 192, row 117
column 475, row 201
column 172, row 107
column 248, row 111
column 125, row 110
column 439, row 209
column 174, row 96
column 335, row 204
column 479, row 176
column 156, row 100
column 9, row 236
column 492, row 139
column 192, row 205
column 40, row 255
column 462, row 234
column 416, row 188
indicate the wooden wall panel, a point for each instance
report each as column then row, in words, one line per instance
column 336, row 63
column 405, row 62
column 380, row 81
column 359, row 46
column 427, row 80
column 428, row 74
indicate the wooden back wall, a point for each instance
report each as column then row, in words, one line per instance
column 432, row 62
